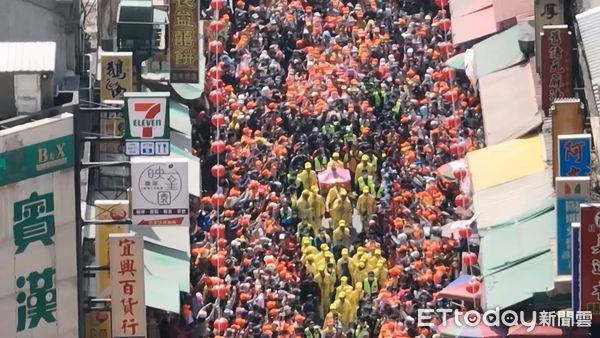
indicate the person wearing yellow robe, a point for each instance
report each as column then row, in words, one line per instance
column 343, row 287
column 376, row 258
column 356, row 295
column 361, row 271
column 335, row 161
column 343, row 265
column 360, row 251
column 323, row 279
column 366, row 206
column 341, row 236
column 317, row 204
column 346, row 310
column 307, row 177
column 366, row 165
column 342, row 210
column 303, row 206
column 320, row 256
column 381, row 273
column 333, row 194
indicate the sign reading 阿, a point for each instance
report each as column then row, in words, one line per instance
column 117, row 76
column 147, row 124
column 159, row 191
column 574, row 155
column 184, row 52
column 555, row 71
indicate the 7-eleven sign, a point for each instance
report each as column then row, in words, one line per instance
column 147, row 115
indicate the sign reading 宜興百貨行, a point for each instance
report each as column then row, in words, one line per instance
column 147, row 124
column 570, row 193
column 574, row 155
column 184, row 53
column 39, row 252
column 116, row 76
column 159, row 191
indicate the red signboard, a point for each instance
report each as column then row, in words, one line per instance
column 590, row 260
column 184, row 54
column 556, row 64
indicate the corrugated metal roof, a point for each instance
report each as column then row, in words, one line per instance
column 27, row 57
column 590, row 36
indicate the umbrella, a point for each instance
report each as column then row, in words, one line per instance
column 457, row 290
column 451, row 329
column 457, row 61
column 544, row 331
column 328, row 177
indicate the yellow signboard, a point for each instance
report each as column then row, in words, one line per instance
column 97, row 324
column 184, row 54
column 116, row 77
column 107, row 210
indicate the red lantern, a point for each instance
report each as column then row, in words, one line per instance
column 217, row 260
column 465, row 232
column 445, row 47
column 218, row 120
column 460, row 173
column 444, row 24
column 217, row 4
column 449, row 73
column 473, row 286
column 217, row 230
column 215, row 47
column 457, row 149
column 217, row 170
column 220, row 325
column 216, row 26
column 462, row 201
column 441, row 3
column 469, row 259
column 215, row 73
column 218, row 199
column 217, row 147
column 219, row 291
column 217, row 97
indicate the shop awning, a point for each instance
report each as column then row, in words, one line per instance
column 463, row 7
column 194, row 183
column 176, row 238
column 508, row 9
column 503, row 203
column 463, row 26
column 180, row 118
column 497, row 52
column 161, row 293
column 509, row 103
column 507, row 244
column 505, row 162
column 517, row 283
column 188, row 91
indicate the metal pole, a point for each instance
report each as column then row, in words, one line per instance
column 78, row 228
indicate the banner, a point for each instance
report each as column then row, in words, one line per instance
column 116, row 77
column 555, row 71
column 570, row 193
column 547, row 12
column 38, row 286
column 590, row 260
column 107, row 210
column 147, row 128
column 574, row 155
column 128, row 303
column 159, row 191
column 183, row 35
column 575, row 281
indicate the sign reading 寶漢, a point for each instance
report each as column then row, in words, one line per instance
column 547, row 12
column 39, row 248
column 147, row 124
column 574, row 155
column 570, row 193
column 184, row 53
column 127, row 282
column 589, row 260
column 159, row 191
column 555, row 71
column 117, row 77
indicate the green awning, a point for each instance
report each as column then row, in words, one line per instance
column 161, row 293
column 508, row 244
column 180, row 118
column 497, row 52
column 167, row 263
column 457, row 61
column 519, row 282
column 194, row 183
column 188, row 91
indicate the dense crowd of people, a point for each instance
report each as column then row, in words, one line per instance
column 299, row 87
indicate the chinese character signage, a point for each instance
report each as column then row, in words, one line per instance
column 113, row 125
column 128, row 303
column 147, row 129
column 555, row 71
column 38, row 289
column 574, row 155
column 159, row 191
column 184, row 53
column 575, row 240
column 97, row 324
column 589, row 237
column 116, row 77
column 570, row 193
column 107, row 210
column 547, row 12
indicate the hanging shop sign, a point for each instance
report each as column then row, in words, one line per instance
column 97, row 324
column 112, row 124
column 570, row 193
column 555, row 71
column 128, row 303
column 37, row 203
column 159, row 191
column 147, row 128
column 575, row 259
column 547, row 12
column 590, row 260
column 116, row 77
column 183, row 35
column 574, row 155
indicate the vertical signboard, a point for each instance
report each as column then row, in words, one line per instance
column 183, row 33
column 547, row 12
column 555, row 71
column 574, row 155
column 128, row 303
column 567, row 119
column 590, row 260
column 575, row 259
column 147, row 128
column 116, row 76
column 570, row 193
column 107, row 210
column 38, row 286
column 159, row 191
column 97, row 324
column 113, row 125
